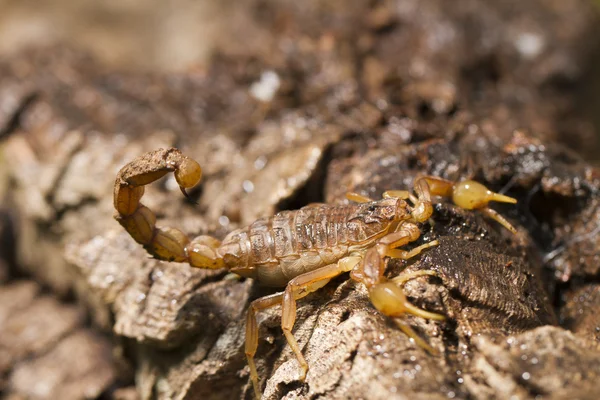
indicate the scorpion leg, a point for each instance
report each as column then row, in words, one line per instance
column 301, row 286
column 252, row 333
column 408, row 232
column 405, row 255
column 469, row 195
column 400, row 194
column 404, row 277
column 396, row 194
column 358, row 198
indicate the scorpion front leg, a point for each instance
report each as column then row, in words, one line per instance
column 139, row 221
column 252, row 334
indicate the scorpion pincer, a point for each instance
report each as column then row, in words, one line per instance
column 303, row 249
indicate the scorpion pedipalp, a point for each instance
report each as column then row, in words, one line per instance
column 470, row 195
column 386, row 295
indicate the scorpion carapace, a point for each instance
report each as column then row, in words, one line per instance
column 301, row 250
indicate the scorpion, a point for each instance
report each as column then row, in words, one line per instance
column 301, row 250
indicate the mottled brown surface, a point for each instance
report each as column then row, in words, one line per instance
column 371, row 95
column 45, row 352
column 85, row 370
column 527, row 365
column 580, row 313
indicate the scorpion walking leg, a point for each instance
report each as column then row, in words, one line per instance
column 358, row 198
column 397, row 194
column 404, row 277
column 405, row 255
column 387, row 246
column 252, row 333
column 301, row 286
column 400, row 194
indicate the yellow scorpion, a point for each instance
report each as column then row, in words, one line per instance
column 303, row 249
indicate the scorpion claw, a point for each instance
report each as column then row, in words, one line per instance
column 502, row 198
column 470, row 195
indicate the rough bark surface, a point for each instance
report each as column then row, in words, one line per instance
column 370, row 96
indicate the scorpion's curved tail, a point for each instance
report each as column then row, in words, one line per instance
column 139, row 221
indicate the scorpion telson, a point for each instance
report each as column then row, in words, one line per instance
column 301, row 250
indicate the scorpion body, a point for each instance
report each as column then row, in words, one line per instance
column 276, row 249
column 303, row 249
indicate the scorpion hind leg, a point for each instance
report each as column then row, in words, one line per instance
column 297, row 288
column 252, row 334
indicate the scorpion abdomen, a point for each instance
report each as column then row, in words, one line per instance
column 290, row 243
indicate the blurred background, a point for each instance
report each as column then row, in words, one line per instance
column 140, row 34
column 175, row 35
